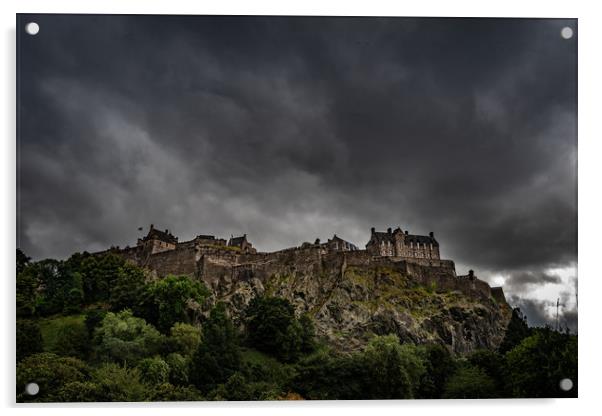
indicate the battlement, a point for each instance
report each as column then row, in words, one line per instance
column 213, row 259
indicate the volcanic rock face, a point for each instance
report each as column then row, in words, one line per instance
column 352, row 297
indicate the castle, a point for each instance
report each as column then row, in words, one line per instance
column 392, row 243
column 214, row 259
column 162, row 253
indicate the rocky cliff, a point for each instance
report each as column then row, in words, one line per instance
column 352, row 296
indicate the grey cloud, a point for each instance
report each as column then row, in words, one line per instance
column 520, row 281
column 290, row 129
column 538, row 315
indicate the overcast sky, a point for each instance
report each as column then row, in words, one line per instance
column 291, row 129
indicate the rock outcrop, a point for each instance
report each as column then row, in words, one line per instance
column 352, row 296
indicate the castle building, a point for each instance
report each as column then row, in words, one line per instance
column 338, row 244
column 242, row 243
column 157, row 241
column 208, row 240
column 397, row 243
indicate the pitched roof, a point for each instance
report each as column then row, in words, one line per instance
column 161, row 235
column 205, row 237
column 237, row 241
column 349, row 245
column 379, row 236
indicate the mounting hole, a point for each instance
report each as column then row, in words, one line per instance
column 32, row 28
column 566, row 32
column 32, row 389
column 566, row 384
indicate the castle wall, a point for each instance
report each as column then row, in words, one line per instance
column 181, row 261
column 213, row 264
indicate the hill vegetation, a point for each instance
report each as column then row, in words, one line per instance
column 95, row 328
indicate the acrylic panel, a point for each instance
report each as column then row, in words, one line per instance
column 295, row 208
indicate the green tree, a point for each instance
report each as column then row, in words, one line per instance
column 118, row 384
column 29, row 338
column 27, row 291
column 167, row 392
column 439, row 364
column 184, row 338
column 330, row 376
column 535, row 367
column 99, row 274
column 62, row 287
column 78, row 391
column 469, row 382
column 308, row 334
column 74, row 293
column 516, row 331
column 272, row 328
column 178, row 369
column 235, row 389
column 127, row 288
column 395, row 369
column 72, row 339
column 153, row 370
column 22, row 261
column 172, row 300
column 126, row 339
column 51, row 372
column 218, row 355
column 492, row 363
column 94, row 318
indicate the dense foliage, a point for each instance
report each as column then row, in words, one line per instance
column 95, row 328
column 273, row 328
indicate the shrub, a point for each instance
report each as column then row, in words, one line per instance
column 118, row 384
column 272, row 328
column 153, row 370
column 126, row 339
column 439, row 365
column 29, row 339
column 169, row 393
column 178, row 369
column 469, row 382
column 72, row 339
column 185, row 338
column 172, row 300
column 51, row 372
column 93, row 318
column 536, row 366
column 218, row 355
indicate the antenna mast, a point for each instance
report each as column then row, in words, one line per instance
column 557, row 304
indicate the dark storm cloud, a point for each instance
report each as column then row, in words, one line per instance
column 519, row 281
column 290, row 129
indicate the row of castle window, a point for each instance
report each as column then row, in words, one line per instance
column 388, row 243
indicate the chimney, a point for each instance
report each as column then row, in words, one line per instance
column 432, row 234
column 152, row 227
column 407, row 232
column 372, row 230
column 389, row 230
column 471, row 274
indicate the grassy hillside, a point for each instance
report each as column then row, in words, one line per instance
column 51, row 325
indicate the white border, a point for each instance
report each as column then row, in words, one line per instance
column 590, row 70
